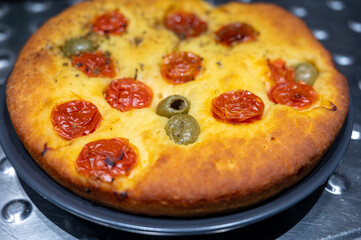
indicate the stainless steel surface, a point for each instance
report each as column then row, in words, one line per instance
column 332, row 212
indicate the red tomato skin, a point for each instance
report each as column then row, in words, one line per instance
column 113, row 23
column 235, row 33
column 127, row 94
column 181, row 67
column 75, row 119
column 296, row 95
column 106, row 159
column 185, row 25
column 280, row 72
column 237, row 107
column 94, row 64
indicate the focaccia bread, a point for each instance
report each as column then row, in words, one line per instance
column 176, row 108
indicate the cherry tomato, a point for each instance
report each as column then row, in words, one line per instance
column 297, row 95
column 235, row 33
column 280, row 72
column 185, row 25
column 110, row 23
column 94, row 64
column 106, row 159
column 181, row 67
column 127, row 93
column 75, row 119
column 237, row 106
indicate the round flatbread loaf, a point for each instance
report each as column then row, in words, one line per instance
column 176, row 108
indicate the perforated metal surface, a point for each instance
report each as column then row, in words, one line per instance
column 332, row 212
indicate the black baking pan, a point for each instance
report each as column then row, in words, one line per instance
column 38, row 180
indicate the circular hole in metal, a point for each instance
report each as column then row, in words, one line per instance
column 6, row 59
column 343, row 59
column 335, row 5
column 337, row 184
column 5, row 32
column 35, row 25
column 356, row 132
column 321, row 34
column 16, row 211
column 6, row 168
column 2, row 154
column 354, row 26
column 299, row 11
column 37, row 6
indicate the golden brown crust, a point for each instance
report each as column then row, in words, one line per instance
column 230, row 166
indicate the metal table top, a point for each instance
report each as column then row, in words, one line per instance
column 331, row 212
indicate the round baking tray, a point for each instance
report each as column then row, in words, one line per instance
column 37, row 179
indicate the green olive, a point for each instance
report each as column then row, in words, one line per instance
column 78, row 45
column 306, row 72
column 173, row 105
column 182, row 129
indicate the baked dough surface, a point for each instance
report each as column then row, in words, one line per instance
column 229, row 166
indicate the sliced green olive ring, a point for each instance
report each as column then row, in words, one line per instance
column 173, row 105
column 306, row 72
column 78, row 45
column 183, row 129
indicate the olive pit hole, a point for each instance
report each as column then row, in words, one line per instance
column 177, row 104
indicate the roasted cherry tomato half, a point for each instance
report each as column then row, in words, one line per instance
column 110, row 23
column 280, row 72
column 127, row 94
column 296, row 95
column 237, row 106
column 106, row 159
column 181, row 67
column 235, row 33
column 184, row 24
column 94, row 64
column 75, row 119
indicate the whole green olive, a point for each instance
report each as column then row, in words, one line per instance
column 173, row 105
column 183, row 129
column 78, row 45
column 306, row 72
